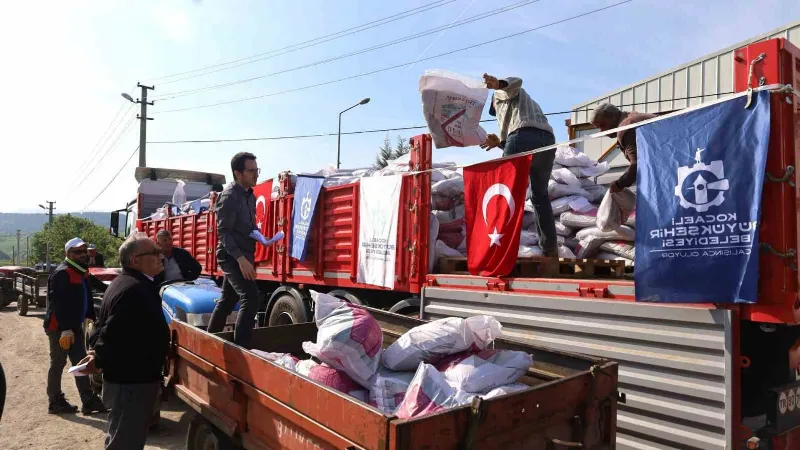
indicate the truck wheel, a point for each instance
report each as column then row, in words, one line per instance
column 204, row 436
column 288, row 310
column 346, row 296
column 22, row 305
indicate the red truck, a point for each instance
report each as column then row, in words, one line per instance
column 698, row 376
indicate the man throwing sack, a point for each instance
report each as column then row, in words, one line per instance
column 69, row 306
column 524, row 127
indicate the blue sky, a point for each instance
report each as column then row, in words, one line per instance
column 67, row 62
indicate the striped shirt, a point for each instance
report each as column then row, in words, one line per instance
column 515, row 109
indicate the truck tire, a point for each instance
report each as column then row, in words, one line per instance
column 408, row 307
column 288, row 310
column 204, row 436
column 346, row 296
column 22, row 305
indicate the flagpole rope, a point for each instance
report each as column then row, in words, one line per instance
column 777, row 88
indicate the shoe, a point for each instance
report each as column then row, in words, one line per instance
column 61, row 406
column 94, row 405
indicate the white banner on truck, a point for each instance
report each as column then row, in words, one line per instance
column 379, row 204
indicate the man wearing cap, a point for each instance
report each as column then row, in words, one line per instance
column 69, row 306
column 95, row 259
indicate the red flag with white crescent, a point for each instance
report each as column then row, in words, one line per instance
column 494, row 197
column 263, row 194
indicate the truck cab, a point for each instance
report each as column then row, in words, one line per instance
column 188, row 301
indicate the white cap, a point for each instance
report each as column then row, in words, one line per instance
column 74, row 242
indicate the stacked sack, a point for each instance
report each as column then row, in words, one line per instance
column 435, row 366
column 576, row 201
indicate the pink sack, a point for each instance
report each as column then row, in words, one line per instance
column 429, row 393
column 348, row 338
column 324, row 374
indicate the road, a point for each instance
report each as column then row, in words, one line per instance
column 26, row 424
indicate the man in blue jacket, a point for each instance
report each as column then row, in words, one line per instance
column 69, row 306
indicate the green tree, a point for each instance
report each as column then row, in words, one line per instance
column 66, row 227
column 402, row 148
column 384, row 154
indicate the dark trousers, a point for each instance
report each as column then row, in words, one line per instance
column 58, row 359
column 236, row 289
column 132, row 407
column 523, row 140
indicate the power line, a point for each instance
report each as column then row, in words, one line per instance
column 413, row 127
column 108, row 150
column 112, row 180
column 385, row 69
column 456, row 23
column 104, row 138
column 306, row 44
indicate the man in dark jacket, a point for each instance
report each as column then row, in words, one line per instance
column 130, row 345
column 178, row 263
column 95, row 259
column 236, row 221
column 607, row 117
column 69, row 306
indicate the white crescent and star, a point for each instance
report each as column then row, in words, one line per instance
column 503, row 191
column 263, row 201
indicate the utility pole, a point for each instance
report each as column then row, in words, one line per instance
column 19, row 251
column 28, row 249
column 143, row 124
column 49, row 209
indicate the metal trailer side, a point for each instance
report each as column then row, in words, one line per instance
column 676, row 363
column 257, row 404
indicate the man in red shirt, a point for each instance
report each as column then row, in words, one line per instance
column 607, row 117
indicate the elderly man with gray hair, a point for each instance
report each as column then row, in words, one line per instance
column 130, row 345
column 607, row 117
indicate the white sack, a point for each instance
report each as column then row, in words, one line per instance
column 557, row 190
column 619, row 248
column 285, row 360
column 563, row 230
column 615, row 209
column 622, row 233
column 528, row 219
column 443, row 250
column 348, row 338
column 570, row 157
column 449, row 187
column 613, row 257
column 429, row 393
column 565, row 252
column 596, row 192
column 526, row 251
column 452, row 106
column 528, row 238
column 579, row 220
column 485, row 370
column 436, row 340
column 564, row 176
column 591, row 171
column 389, row 389
column 505, row 390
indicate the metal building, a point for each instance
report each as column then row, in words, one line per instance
column 701, row 80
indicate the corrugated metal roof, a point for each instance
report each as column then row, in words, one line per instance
column 703, row 79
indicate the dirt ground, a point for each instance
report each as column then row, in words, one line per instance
column 26, row 424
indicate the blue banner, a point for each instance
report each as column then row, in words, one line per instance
column 698, row 207
column 306, row 193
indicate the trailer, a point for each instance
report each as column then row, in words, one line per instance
column 698, row 376
column 30, row 288
column 244, row 401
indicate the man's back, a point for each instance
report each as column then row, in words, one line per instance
column 133, row 337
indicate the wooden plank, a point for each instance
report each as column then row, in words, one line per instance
column 546, row 267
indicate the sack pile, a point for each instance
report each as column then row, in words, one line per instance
column 434, row 366
column 595, row 223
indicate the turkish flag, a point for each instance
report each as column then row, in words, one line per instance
column 494, row 197
column 263, row 194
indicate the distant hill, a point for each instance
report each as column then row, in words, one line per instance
column 31, row 223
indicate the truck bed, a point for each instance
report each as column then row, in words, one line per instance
column 572, row 399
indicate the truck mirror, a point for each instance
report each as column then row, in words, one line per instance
column 114, row 229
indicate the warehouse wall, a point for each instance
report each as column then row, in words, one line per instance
column 704, row 79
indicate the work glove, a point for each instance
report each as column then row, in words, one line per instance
column 66, row 340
